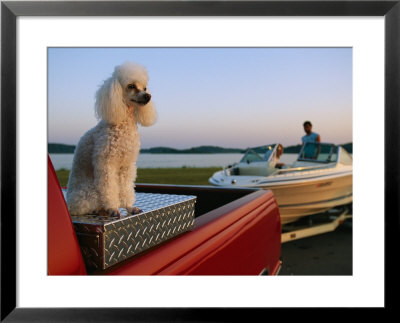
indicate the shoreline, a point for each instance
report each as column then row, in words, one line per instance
column 174, row 175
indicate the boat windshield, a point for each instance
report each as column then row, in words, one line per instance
column 318, row 152
column 270, row 151
column 254, row 154
column 250, row 156
column 345, row 158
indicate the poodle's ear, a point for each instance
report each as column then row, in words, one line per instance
column 146, row 115
column 110, row 105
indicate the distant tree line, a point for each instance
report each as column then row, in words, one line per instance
column 54, row 148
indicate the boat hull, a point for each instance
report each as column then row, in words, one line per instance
column 296, row 201
column 302, row 197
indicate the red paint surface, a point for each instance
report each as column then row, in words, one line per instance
column 64, row 255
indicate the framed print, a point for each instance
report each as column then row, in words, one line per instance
column 30, row 28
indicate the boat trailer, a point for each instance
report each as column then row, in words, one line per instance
column 317, row 224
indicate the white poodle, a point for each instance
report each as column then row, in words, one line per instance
column 104, row 166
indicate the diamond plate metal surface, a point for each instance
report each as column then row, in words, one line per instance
column 106, row 240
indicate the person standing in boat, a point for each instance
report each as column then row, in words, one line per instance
column 311, row 150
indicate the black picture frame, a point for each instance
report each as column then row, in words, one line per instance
column 10, row 10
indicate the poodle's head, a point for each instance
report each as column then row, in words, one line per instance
column 124, row 95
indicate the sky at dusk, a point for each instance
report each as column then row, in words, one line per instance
column 229, row 97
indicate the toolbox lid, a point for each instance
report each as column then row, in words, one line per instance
column 147, row 202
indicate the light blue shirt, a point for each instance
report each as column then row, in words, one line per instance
column 312, row 137
column 310, row 150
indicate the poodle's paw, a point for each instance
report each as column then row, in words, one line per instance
column 113, row 212
column 134, row 210
column 98, row 211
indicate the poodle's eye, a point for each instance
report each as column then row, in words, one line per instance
column 145, row 89
column 132, row 87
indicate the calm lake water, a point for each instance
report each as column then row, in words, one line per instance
column 171, row 160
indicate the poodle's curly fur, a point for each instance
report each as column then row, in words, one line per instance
column 104, row 166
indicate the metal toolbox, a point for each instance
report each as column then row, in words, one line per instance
column 106, row 240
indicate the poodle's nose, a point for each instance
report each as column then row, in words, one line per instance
column 146, row 97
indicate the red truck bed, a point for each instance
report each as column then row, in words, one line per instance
column 236, row 232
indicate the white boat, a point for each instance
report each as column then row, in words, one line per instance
column 320, row 179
